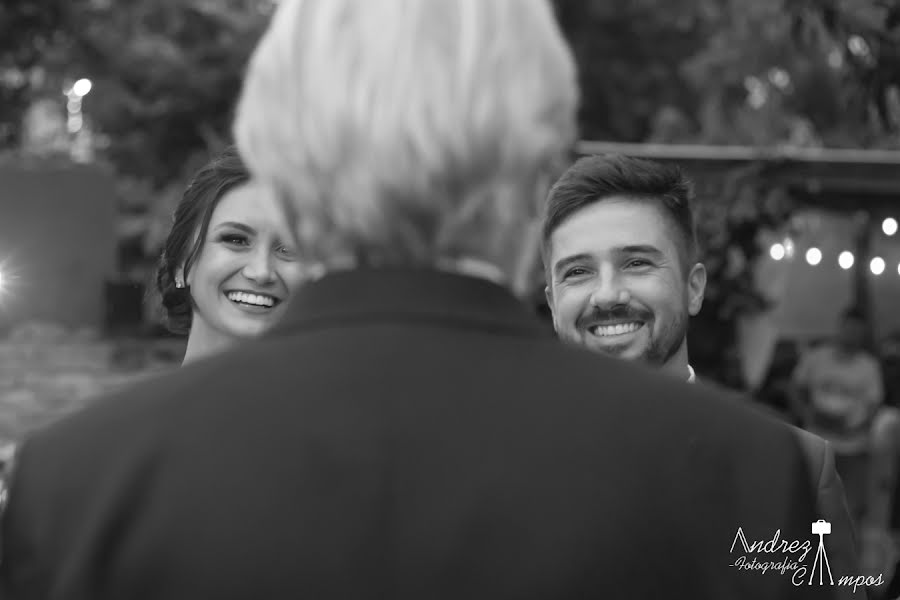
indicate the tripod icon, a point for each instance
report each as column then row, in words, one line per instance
column 822, row 528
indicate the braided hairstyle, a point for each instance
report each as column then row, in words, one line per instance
column 189, row 226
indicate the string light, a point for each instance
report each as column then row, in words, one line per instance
column 813, row 256
column 845, row 260
column 82, row 87
column 79, row 90
column 777, row 251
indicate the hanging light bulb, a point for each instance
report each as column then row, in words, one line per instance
column 777, row 251
column 877, row 265
column 845, row 259
column 889, row 226
column 813, row 256
column 82, row 87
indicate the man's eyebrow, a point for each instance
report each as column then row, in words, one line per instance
column 641, row 249
column 562, row 263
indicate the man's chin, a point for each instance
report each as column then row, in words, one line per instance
column 620, row 351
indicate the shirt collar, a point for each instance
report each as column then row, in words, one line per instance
column 691, row 377
column 473, row 267
column 380, row 293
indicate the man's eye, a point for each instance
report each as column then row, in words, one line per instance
column 575, row 272
column 638, row 263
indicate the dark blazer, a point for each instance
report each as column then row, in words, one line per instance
column 831, row 505
column 406, row 435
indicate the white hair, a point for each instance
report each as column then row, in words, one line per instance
column 404, row 129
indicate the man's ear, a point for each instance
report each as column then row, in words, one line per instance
column 696, row 288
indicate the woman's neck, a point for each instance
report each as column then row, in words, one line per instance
column 203, row 343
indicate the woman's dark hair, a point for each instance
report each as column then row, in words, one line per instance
column 189, row 226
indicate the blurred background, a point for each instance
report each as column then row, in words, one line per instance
column 784, row 112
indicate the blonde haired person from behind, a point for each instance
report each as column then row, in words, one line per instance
column 409, row 429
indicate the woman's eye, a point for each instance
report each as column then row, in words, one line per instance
column 234, row 239
column 286, row 252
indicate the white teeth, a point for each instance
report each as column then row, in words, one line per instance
column 247, row 298
column 605, row 330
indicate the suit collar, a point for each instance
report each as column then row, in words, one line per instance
column 404, row 294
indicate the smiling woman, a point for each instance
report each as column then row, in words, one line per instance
column 228, row 264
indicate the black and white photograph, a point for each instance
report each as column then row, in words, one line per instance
column 449, row 299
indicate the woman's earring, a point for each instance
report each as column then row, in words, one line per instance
column 179, row 285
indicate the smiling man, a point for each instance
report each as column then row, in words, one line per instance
column 620, row 253
column 623, row 278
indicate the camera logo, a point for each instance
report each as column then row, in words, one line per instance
column 821, row 528
column 788, row 557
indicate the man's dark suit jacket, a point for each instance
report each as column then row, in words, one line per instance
column 831, row 505
column 406, row 435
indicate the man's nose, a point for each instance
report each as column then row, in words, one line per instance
column 260, row 267
column 609, row 290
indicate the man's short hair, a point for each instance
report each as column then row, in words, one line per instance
column 596, row 178
column 408, row 129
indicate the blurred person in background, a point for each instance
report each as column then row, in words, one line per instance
column 837, row 392
column 774, row 392
column 838, row 389
column 409, row 429
column 623, row 279
column 228, row 265
column 889, row 351
column 890, row 365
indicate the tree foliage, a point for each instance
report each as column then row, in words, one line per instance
column 864, row 34
column 799, row 72
column 166, row 73
column 166, row 76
